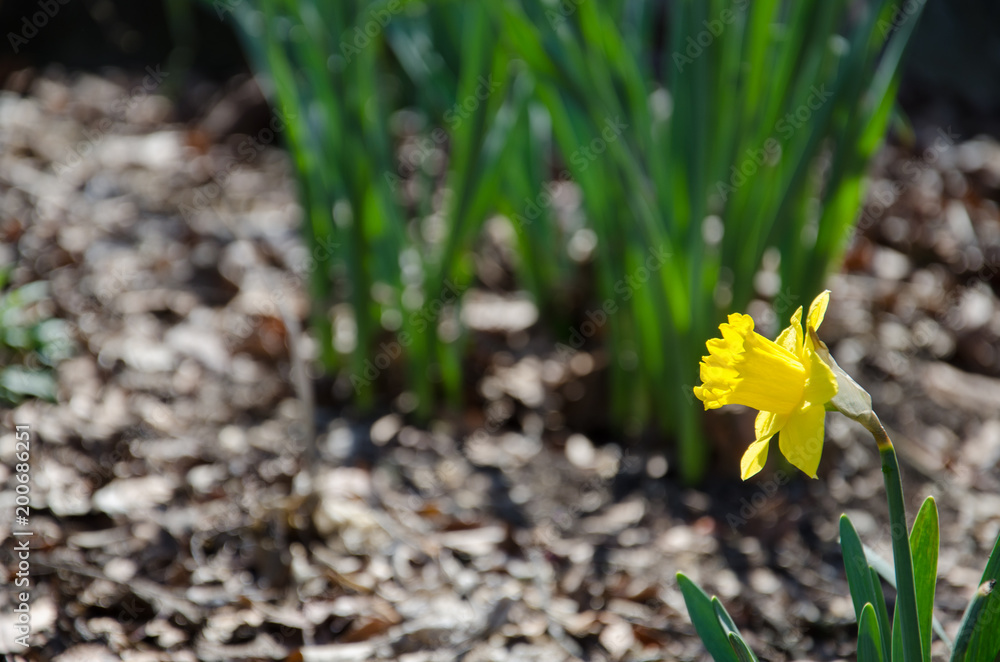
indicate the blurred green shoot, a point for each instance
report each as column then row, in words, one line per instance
column 32, row 343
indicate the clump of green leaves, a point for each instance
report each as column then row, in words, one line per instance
column 710, row 132
column 32, row 343
column 880, row 638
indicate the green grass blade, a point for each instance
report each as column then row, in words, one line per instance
column 743, row 652
column 869, row 637
column 706, row 621
column 882, row 612
column 924, row 542
column 906, row 602
column 971, row 623
column 859, row 577
column 978, row 637
column 724, row 618
column 897, row 636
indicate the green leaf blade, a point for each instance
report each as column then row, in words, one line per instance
column 924, row 542
column 741, row 649
column 859, row 577
column 706, row 621
column 869, row 637
column 978, row 637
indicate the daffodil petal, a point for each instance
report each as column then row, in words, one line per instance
column 754, row 459
column 711, row 399
column 791, row 337
column 801, row 439
column 821, row 384
column 768, row 423
column 817, row 309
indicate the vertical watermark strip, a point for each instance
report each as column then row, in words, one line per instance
column 21, row 533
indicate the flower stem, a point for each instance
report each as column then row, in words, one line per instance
column 906, row 599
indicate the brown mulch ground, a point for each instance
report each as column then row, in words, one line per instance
column 177, row 515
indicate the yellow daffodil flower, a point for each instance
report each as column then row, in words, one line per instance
column 785, row 379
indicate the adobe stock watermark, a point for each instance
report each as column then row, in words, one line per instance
column 778, row 314
column 586, row 154
column 31, row 25
column 22, row 534
column 750, row 508
column 625, row 288
column 565, row 514
column 563, row 10
column 795, row 120
column 421, row 149
column 288, row 282
column 461, row 111
column 91, row 137
column 696, row 45
column 901, row 13
column 881, row 544
column 800, row 453
column 248, row 150
column 770, row 152
column 364, row 33
column 122, row 278
column 414, row 157
column 222, row 7
column 912, row 169
column 581, row 157
column 418, row 320
column 949, row 314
